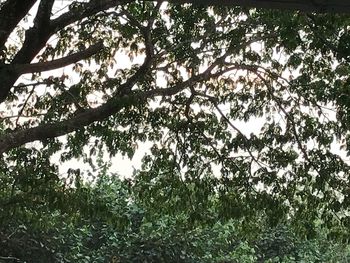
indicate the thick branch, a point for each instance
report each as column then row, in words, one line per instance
column 57, row 63
column 37, row 36
column 11, row 12
column 113, row 106
column 45, row 131
column 53, row 130
column 319, row 6
column 43, row 14
column 43, row 29
column 35, row 39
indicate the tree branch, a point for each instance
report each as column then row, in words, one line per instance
column 83, row 10
column 37, row 36
column 24, row 105
column 57, row 63
column 144, row 68
column 11, row 12
column 12, row 259
column 52, row 130
column 35, row 39
column 112, row 106
column 43, row 14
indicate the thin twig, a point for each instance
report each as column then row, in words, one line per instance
column 24, row 105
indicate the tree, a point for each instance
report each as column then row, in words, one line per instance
column 323, row 6
column 195, row 74
column 107, row 222
column 18, row 63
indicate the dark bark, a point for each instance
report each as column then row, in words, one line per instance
column 46, row 131
column 57, row 63
column 80, row 120
column 11, row 12
column 37, row 36
column 35, row 39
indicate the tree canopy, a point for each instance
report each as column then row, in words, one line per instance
column 323, row 6
column 246, row 109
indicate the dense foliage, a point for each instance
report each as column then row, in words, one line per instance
column 247, row 115
column 108, row 222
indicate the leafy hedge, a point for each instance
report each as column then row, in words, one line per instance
column 106, row 222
